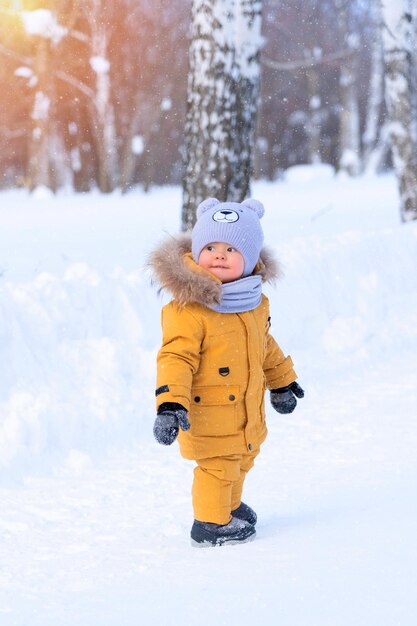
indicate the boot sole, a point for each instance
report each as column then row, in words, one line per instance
column 230, row 542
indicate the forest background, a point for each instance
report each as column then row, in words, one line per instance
column 113, row 79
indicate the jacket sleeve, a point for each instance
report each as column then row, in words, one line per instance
column 278, row 368
column 179, row 356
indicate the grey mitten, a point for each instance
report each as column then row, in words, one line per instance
column 284, row 399
column 171, row 416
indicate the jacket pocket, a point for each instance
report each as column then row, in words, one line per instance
column 213, row 410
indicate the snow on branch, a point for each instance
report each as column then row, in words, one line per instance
column 26, row 72
column 43, row 23
column 99, row 64
column 41, row 108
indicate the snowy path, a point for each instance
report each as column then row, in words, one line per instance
column 100, row 540
column 335, row 493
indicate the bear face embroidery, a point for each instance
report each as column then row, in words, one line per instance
column 225, row 216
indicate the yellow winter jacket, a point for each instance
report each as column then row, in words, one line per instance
column 217, row 365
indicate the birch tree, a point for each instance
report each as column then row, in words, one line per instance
column 375, row 95
column 42, row 28
column 349, row 107
column 413, row 73
column 223, row 91
column 397, row 27
column 98, row 14
column 374, row 137
column 314, row 106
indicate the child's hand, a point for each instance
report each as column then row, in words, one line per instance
column 283, row 400
column 171, row 416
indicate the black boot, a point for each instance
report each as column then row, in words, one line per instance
column 208, row 534
column 245, row 513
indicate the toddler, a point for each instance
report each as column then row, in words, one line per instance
column 217, row 359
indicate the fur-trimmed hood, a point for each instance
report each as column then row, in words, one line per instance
column 173, row 268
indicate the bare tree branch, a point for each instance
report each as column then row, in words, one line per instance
column 75, row 83
column 77, row 34
column 15, row 55
column 58, row 73
column 289, row 66
column 12, row 134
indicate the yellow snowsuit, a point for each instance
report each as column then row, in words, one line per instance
column 217, row 366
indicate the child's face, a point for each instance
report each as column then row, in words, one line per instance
column 222, row 260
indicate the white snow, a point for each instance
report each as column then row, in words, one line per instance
column 43, row 23
column 398, row 129
column 245, row 36
column 393, row 12
column 41, row 192
column 349, row 158
column 27, row 72
column 397, row 85
column 23, row 71
column 41, row 106
column 166, row 104
column 301, row 174
column 315, row 102
column 75, row 158
column 138, row 144
column 95, row 516
column 353, row 41
column 99, row 64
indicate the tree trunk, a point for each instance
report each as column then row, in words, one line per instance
column 349, row 135
column 102, row 108
column 39, row 162
column 396, row 37
column 413, row 73
column 223, row 91
column 129, row 155
column 104, row 126
column 60, row 167
column 143, row 110
column 372, row 138
column 314, row 106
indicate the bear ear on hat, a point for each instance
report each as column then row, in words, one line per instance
column 206, row 205
column 255, row 205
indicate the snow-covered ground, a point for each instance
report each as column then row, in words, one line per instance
column 95, row 516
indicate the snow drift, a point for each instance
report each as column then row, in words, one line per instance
column 79, row 320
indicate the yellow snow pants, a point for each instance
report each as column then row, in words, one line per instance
column 217, row 486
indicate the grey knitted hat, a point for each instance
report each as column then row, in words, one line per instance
column 230, row 222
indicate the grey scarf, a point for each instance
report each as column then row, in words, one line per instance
column 240, row 295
